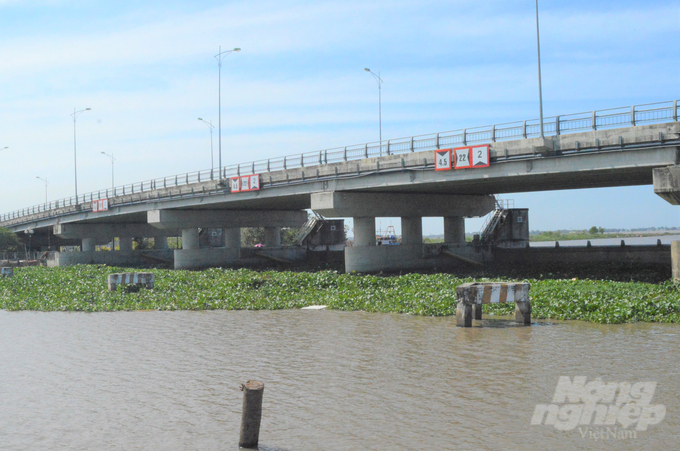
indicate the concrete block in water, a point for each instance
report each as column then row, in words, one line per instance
column 471, row 296
column 140, row 279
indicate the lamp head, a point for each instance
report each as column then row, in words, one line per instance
column 237, row 49
column 200, row 118
column 88, row 109
column 367, row 69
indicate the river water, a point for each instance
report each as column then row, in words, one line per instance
column 334, row 380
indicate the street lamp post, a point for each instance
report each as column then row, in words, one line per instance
column 380, row 82
column 212, row 159
column 75, row 161
column 46, row 182
column 112, row 160
column 220, row 55
column 540, row 89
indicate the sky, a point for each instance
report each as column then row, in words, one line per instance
column 147, row 70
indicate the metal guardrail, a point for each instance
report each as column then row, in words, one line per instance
column 595, row 120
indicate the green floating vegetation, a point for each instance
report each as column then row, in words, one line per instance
column 83, row 288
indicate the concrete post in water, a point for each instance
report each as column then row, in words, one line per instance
column 675, row 260
column 471, row 296
column 523, row 312
column 252, row 414
column 464, row 314
column 477, row 311
column 6, row 272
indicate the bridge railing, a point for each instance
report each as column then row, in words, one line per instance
column 556, row 125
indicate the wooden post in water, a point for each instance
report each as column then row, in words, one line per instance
column 252, row 414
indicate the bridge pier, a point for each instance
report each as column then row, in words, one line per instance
column 365, row 256
column 92, row 234
column 190, row 238
column 232, row 237
column 160, row 243
column 272, row 236
column 87, row 245
column 454, row 229
column 192, row 256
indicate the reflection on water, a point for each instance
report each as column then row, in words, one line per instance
column 334, row 380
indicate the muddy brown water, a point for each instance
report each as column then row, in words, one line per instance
column 334, row 380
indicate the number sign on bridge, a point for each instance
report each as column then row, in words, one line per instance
column 461, row 158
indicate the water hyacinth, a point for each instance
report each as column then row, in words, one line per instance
column 83, row 288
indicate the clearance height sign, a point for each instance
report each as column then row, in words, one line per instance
column 245, row 183
column 461, row 158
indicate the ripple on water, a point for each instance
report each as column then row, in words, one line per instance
column 334, row 380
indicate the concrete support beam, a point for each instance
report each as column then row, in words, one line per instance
column 272, row 236
column 125, row 243
column 106, row 231
column 667, row 184
column 184, row 219
column 412, row 230
column 190, row 238
column 454, row 229
column 354, row 204
column 87, row 245
column 364, row 231
column 232, row 237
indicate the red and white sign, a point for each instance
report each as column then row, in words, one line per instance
column 442, row 160
column 461, row 158
column 245, row 183
column 462, row 155
column 100, row 205
column 480, row 156
column 255, row 182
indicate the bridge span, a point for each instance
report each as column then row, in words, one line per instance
column 452, row 175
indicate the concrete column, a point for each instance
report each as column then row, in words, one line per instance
column 454, row 229
column 411, row 230
column 232, row 237
column 125, row 243
column 87, row 245
column 160, row 243
column 364, row 231
column 675, row 260
column 190, row 238
column 272, row 236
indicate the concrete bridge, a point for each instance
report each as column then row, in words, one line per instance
column 410, row 178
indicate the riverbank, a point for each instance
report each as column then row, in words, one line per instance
column 83, row 288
